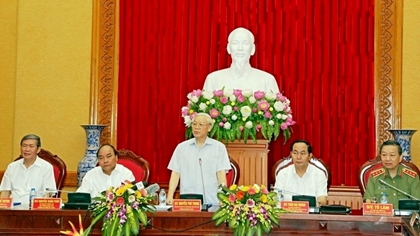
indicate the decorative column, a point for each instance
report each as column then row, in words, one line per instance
column 89, row 161
column 403, row 137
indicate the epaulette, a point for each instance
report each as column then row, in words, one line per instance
column 377, row 172
column 409, row 172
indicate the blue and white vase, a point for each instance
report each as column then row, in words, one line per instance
column 403, row 137
column 89, row 161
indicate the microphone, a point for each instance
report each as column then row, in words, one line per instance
column 152, row 188
column 137, row 186
column 202, row 182
column 287, row 191
column 398, row 190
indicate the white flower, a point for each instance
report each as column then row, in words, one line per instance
column 248, row 124
column 202, row 106
column 207, row 95
column 232, row 98
column 189, row 96
column 247, row 92
column 252, row 100
column 227, row 125
column 287, row 101
column 187, row 121
column 212, row 101
column 271, row 122
column 246, row 111
column 278, row 116
column 227, row 92
column 234, row 117
column 194, row 99
column 131, row 198
column 270, row 96
column 278, row 106
column 290, row 116
column 227, row 109
column 288, row 110
column 283, row 116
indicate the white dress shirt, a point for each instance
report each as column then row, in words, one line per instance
column 312, row 183
column 96, row 181
column 19, row 180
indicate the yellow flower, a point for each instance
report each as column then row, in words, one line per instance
column 138, row 194
column 246, row 188
column 208, row 102
column 191, row 111
column 271, row 109
column 232, row 187
column 264, row 198
column 260, row 112
column 120, row 191
column 232, row 103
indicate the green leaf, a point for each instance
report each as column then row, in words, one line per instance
column 142, row 217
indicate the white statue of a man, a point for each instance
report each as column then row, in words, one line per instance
column 241, row 75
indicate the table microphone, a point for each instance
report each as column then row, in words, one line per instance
column 398, row 190
column 152, row 188
column 139, row 185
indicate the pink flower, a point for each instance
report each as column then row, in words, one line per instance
column 214, row 113
column 224, row 119
column 223, row 100
column 283, row 126
column 185, row 111
column 259, row 94
column 290, row 121
column 251, row 191
column 267, row 114
column 237, row 92
column 221, row 124
column 254, row 110
column 218, row 93
column 196, row 92
column 263, row 105
column 241, row 128
column 232, row 198
column 235, row 108
column 109, row 195
column 280, row 97
column 250, row 203
column 241, row 98
column 264, row 190
column 120, row 201
column 258, row 127
column 143, row 192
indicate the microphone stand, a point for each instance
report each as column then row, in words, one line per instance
column 204, row 207
column 398, row 190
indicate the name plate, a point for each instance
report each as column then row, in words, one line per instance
column 46, row 204
column 186, row 205
column 378, row 209
column 295, row 206
column 6, row 202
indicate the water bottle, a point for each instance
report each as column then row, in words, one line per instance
column 32, row 194
column 384, row 199
column 162, row 197
column 280, row 198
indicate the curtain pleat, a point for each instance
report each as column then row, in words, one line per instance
column 320, row 52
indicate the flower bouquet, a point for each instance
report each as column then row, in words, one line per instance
column 121, row 210
column 247, row 209
column 240, row 114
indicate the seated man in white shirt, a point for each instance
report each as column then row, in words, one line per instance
column 107, row 174
column 302, row 178
column 29, row 172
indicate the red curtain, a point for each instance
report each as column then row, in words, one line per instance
column 320, row 51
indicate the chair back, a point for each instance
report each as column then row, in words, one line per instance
column 59, row 167
column 287, row 161
column 232, row 176
column 138, row 165
column 374, row 164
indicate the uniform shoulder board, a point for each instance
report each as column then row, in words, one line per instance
column 409, row 172
column 377, row 172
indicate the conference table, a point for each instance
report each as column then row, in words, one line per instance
column 50, row 222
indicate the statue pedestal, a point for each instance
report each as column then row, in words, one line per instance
column 252, row 160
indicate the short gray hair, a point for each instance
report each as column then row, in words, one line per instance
column 31, row 136
column 207, row 116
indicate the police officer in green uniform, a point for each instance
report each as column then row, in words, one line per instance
column 394, row 174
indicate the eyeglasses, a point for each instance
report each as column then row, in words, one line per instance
column 195, row 125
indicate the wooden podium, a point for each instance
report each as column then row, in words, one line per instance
column 252, row 160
